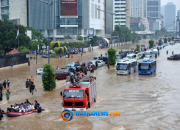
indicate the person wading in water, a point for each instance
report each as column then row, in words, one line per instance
column 7, row 94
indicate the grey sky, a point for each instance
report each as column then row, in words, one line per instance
column 176, row 2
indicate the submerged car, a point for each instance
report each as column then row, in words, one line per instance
column 174, row 57
column 39, row 71
column 61, row 74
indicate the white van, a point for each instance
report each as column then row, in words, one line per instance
column 154, row 52
column 132, row 56
column 126, row 66
column 148, row 52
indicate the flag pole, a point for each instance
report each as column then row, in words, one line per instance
column 18, row 41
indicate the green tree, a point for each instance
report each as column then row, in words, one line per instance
column 112, row 56
column 138, row 47
column 79, row 38
column 160, row 42
column 165, row 40
column 144, row 36
column 49, row 76
column 163, row 30
column 34, row 45
column 122, row 32
column 8, row 33
column 157, row 33
column 23, row 49
column 35, row 33
column 93, row 41
column 151, row 43
column 169, row 39
column 67, row 37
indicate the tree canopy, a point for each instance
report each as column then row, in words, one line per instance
column 8, row 33
column 9, row 40
column 122, row 32
column 93, row 40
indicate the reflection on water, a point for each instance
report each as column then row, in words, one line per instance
column 145, row 102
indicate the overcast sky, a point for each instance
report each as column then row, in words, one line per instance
column 176, row 2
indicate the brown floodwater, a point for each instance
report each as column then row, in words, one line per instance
column 145, row 102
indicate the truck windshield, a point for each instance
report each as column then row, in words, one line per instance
column 121, row 66
column 144, row 66
column 73, row 93
column 76, row 64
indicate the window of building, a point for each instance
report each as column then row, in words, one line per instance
column 96, row 11
column 92, row 10
column 5, row 10
column 99, row 12
column 4, row 2
column 5, row 16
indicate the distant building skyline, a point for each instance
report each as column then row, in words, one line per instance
column 170, row 15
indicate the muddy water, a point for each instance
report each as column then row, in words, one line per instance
column 145, row 102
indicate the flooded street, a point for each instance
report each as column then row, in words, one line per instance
column 145, row 102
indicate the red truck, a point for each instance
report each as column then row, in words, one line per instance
column 79, row 96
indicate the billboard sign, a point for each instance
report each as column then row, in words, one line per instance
column 69, row 7
column 91, row 32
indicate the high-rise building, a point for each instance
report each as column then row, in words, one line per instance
column 75, row 17
column 177, row 19
column 163, row 14
column 117, row 13
column 14, row 10
column 138, row 8
column 163, row 10
column 170, row 15
column 153, row 11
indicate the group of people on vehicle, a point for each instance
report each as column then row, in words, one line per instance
column 25, row 107
column 30, row 84
column 76, row 77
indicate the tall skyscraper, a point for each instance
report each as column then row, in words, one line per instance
column 138, row 8
column 121, row 11
column 153, row 11
column 170, row 15
column 178, row 17
column 163, row 10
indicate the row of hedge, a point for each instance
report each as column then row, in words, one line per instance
column 58, row 48
column 68, row 44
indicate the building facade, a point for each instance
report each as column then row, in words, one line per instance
column 14, row 10
column 153, row 11
column 87, row 17
column 117, row 13
column 170, row 15
column 177, row 20
column 138, row 8
column 75, row 17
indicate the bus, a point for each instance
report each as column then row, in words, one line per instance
column 147, row 67
column 126, row 66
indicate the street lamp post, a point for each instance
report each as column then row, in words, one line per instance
column 49, row 5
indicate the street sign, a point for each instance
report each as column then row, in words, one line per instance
column 27, row 55
column 43, row 47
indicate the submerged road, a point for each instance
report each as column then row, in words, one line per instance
column 145, row 102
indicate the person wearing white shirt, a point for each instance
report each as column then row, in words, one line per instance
column 29, row 107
